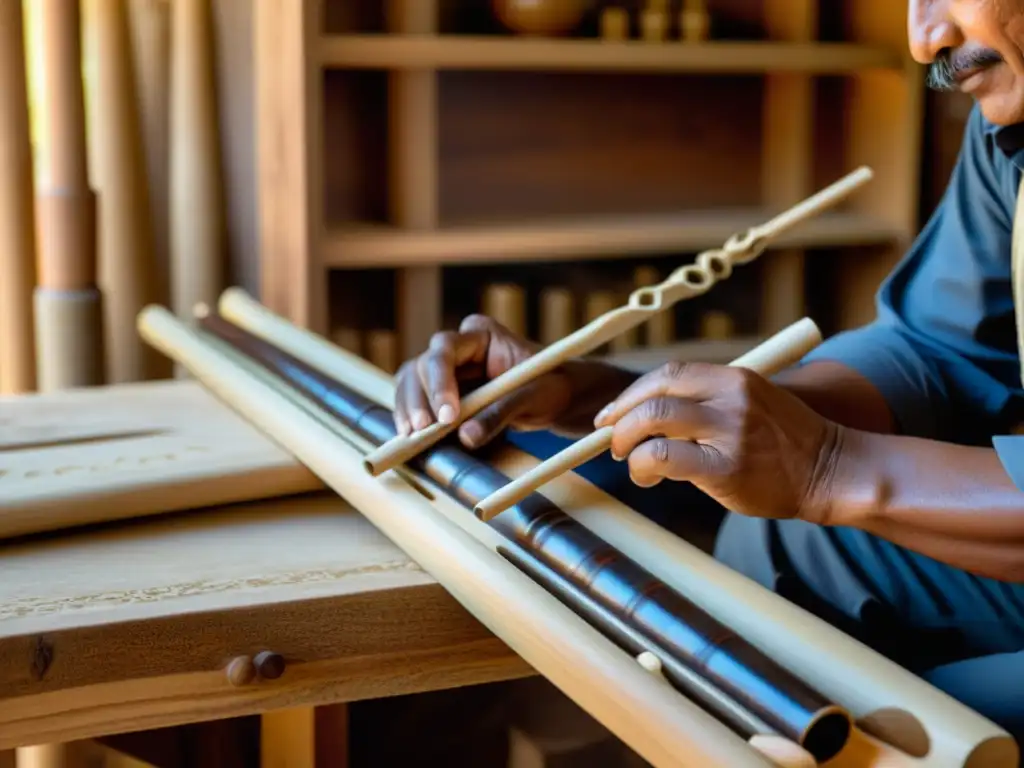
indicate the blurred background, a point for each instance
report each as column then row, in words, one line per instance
column 376, row 170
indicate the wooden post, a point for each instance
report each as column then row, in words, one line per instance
column 305, row 737
column 17, row 212
column 126, row 250
column 413, row 175
column 69, row 321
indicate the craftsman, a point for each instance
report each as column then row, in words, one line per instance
column 880, row 483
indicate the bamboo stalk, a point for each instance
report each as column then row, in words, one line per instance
column 17, row 210
column 127, row 267
column 68, row 303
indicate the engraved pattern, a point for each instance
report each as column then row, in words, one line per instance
column 40, row 606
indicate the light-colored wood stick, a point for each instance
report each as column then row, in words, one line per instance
column 196, row 198
column 685, row 283
column 17, row 210
column 775, row 353
column 68, row 304
column 660, row 330
column 659, row 724
column 127, row 267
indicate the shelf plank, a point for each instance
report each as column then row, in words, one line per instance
column 384, row 51
column 370, row 246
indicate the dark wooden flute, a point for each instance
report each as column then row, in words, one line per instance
column 744, row 688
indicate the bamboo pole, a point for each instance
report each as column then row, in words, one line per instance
column 196, row 202
column 127, row 265
column 68, row 305
column 17, row 211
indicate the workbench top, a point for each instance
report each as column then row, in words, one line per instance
column 132, row 624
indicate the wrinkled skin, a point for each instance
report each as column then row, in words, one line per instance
column 975, row 46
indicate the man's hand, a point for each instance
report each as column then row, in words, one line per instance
column 427, row 387
column 752, row 446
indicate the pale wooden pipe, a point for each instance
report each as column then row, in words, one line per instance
column 685, row 283
column 912, row 724
column 196, row 198
column 775, row 353
column 151, row 44
column 17, row 210
column 506, row 303
column 663, row 727
column 68, row 303
column 127, row 267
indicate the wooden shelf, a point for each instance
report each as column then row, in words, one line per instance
column 369, row 246
column 707, row 351
column 392, row 51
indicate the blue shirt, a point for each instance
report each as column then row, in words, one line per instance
column 943, row 348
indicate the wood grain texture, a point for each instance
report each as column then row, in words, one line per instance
column 87, row 649
column 133, row 450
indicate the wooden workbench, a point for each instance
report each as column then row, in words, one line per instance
column 132, row 625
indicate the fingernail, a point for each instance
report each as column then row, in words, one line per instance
column 420, row 419
column 446, row 414
column 603, row 414
column 471, row 433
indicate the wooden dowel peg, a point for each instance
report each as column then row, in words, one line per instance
column 506, row 303
column 614, row 24
column 716, row 325
column 653, row 25
column 685, row 283
column 779, row 351
column 694, row 21
column 557, row 315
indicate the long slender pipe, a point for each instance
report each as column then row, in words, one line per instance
column 624, row 588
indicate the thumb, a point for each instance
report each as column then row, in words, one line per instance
column 488, row 423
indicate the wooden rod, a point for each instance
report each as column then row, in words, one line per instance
column 196, row 203
column 68, row 305
column 685, row 283
column 663, row 727
column 17, row 210
column 777, row 352
column 127, row 264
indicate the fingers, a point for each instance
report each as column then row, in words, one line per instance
column 693, row 381
column 669, row 417
column 437, row 370
column 665, row 459
column 412, row 411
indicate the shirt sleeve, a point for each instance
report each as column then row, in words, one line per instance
column 931, row 350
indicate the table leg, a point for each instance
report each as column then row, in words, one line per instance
column 307, row 737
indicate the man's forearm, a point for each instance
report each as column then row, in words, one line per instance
column 950, row 502
column 840, row 394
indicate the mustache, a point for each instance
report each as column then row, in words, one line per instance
column 944, row 72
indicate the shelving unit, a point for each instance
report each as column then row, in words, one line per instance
column 415, row 160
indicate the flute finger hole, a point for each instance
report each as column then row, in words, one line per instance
column 695, row 277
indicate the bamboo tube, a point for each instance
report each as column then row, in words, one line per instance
column 506, row 303
column 777, row 352
column 126, row 247
column 716, row 325
column 151, row 45
column 600, row 303
column 17, row 211
column 68, row 305
column 660, row 725
column 899, row 710
column 685, row 283
column 196, row 213
column 557, row 315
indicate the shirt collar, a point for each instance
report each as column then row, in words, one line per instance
column 1009, row 139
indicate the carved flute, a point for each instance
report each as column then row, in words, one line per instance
column 688, row 281
column 573, row 562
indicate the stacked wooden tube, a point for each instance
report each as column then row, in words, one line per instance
column 87, row 230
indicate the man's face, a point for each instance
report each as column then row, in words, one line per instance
column 974, row 46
